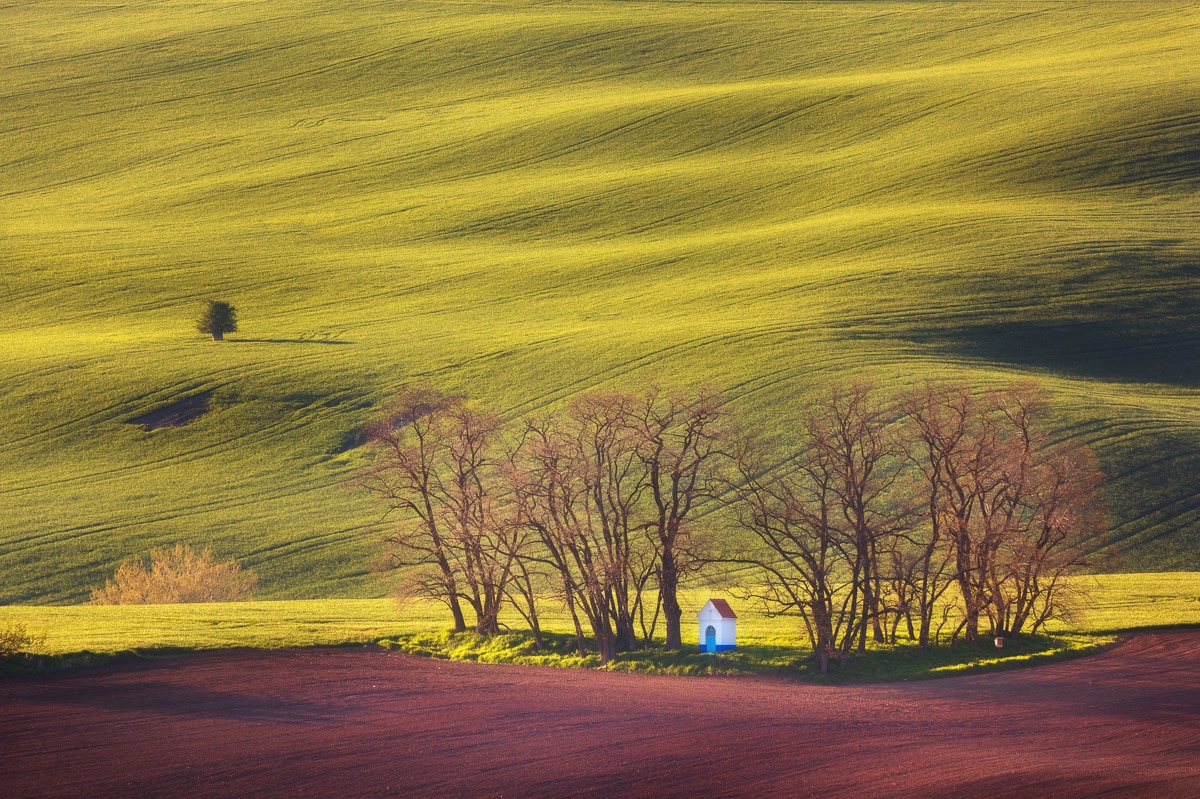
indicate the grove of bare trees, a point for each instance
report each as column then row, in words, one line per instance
column 939, row 511
column 937, row 507
column 592, row 506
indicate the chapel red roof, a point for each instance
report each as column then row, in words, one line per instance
column 723, row 608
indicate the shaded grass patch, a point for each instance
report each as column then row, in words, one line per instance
column 177, row 414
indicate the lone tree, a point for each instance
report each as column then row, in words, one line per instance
column 218, row 319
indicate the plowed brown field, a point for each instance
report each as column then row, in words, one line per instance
column 347, row 723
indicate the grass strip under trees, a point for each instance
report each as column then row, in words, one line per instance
column 880, row 663
column 82, row 635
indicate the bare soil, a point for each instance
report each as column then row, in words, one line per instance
column 349, row 723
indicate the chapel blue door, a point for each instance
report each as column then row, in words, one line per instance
column 710, row 639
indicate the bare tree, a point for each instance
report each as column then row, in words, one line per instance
column 790, row 508
column 407, row 444
column 436, row 471
column 679, row 436
column 938, row 422
column 826, row 528
column 470, row 510
column 579, row 488
column 529, row 581
column 532, row 570
column 849, row 428
column 1067, row 523
column 960, row 443
column 1042, row 518
column 1014, row 511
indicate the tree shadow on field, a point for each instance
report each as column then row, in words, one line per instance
column 288, row 341
column 1147, row 147
column 1083, row 349
column 1114, row 310
column 176, row 414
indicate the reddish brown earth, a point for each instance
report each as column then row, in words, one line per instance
column 347, row 723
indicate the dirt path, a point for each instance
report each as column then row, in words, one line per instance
column 348, row 723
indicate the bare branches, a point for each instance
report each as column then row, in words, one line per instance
column 1013, row 509
column 889, row 507
column 822, row 524
column 434, row 471
column 579, row 484
column 175, row 575
column 880, row 511
column 679, row 438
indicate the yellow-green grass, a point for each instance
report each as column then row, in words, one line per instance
column 1113, row 604
column 525, row 200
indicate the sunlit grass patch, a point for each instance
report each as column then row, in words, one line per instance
column 519, row 648
column 1029, row 652
column 87, row 634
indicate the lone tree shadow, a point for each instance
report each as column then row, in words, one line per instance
column 289, row 341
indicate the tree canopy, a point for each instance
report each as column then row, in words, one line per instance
column 218, row 319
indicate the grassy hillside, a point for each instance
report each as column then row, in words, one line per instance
column 525, row 200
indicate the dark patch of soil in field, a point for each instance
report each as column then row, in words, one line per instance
column 177, row 414
column 350, row 723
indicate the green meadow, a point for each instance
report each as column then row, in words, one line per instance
column 522, row 201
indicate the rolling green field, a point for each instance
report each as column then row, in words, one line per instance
column 522, row 201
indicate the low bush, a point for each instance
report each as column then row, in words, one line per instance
column 17, row 642
column 176, row 575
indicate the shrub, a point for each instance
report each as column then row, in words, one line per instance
column 16, row 641
column 176, row 575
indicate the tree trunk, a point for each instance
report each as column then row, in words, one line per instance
column 626, row 637
column 487, row 624
column 460, row 623
column 218, row 335
column 966, row 587
column 669, row 586
column 877, row 617
column 606, row 643
column 872, row 603
column 538, row 643
column 580, row 644
column 535, row 624
column 971, row 623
